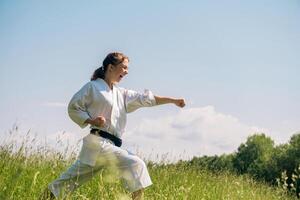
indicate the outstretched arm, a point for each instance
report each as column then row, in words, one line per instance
column 164, row 100
column 135, row 100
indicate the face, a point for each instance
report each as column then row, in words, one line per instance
column 118, row 72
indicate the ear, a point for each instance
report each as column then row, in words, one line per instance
column 110, row 67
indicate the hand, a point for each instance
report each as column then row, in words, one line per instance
column 179, row 102
column 99, row 121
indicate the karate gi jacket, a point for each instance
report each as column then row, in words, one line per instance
column 95, row 99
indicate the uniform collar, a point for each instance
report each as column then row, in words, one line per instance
column 104, row 82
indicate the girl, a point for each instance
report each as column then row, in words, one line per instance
column 104, row 106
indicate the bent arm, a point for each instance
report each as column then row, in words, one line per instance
column 77, row 108
column 164, row 100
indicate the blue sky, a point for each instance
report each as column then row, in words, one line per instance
column 234, row 59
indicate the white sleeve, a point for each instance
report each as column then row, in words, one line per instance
column 135, row 100
column 77, row 107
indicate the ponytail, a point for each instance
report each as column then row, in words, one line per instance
column 98, row 73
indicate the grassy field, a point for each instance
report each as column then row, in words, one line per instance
column 24, row 177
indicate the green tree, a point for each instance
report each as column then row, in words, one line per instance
column 293, row 152
column 253, row 156
column 292, row 161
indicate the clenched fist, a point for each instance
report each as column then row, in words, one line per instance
column 180, row 103
column 98, row 121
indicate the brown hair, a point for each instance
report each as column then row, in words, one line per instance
column 113, row 58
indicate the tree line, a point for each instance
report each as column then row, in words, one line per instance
column 261, row 159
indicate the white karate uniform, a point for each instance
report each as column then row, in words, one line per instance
column 97, row 99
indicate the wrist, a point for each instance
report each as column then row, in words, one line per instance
column 174, row 100
column 89, row 121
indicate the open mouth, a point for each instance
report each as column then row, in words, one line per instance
column 121, row 76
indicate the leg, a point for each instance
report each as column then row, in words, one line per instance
column 138, row 195
column 132, row 169
column 135, row 174
column 74, row 177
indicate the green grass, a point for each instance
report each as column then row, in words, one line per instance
column 25, row 177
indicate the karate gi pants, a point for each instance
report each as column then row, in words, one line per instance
column 93, row 158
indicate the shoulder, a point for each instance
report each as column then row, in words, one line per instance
column 127, row 93
column 121, row 89
column 87, row 86
column 98, row 84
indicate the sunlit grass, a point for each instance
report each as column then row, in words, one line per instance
column 25, row 175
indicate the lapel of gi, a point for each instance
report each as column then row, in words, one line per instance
column 114, row 109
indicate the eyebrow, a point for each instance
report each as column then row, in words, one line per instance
column 124, row 65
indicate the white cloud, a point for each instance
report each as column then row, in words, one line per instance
column 195, row 131
column 190, row 132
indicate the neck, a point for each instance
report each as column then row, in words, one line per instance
column 109, row 82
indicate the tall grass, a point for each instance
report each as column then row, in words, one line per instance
column 25, row 174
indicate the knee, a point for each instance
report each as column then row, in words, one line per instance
column 139, row 162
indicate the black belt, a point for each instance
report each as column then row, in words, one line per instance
column 117, row 141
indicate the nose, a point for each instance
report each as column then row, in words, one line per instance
column 126, row 71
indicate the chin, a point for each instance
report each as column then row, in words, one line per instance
column 117, row 81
